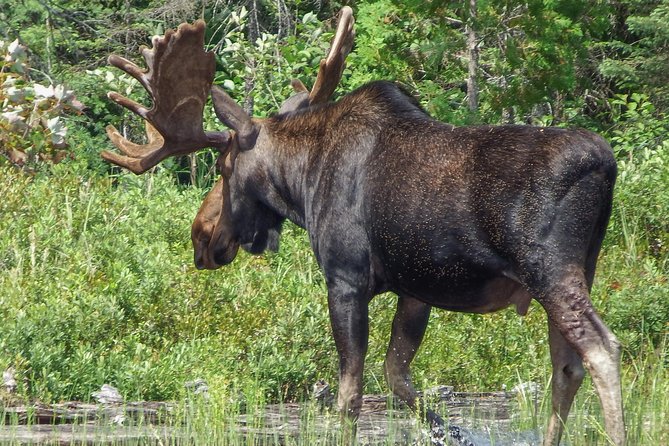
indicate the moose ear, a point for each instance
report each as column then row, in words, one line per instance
column 233, row 116
column 298, row 86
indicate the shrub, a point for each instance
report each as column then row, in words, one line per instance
column 32, row 127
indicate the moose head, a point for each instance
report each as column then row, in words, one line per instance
column 469, row 219
column 174, row 127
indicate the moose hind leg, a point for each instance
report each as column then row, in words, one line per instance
column 568, row 375
column 409, row 326
column 570, row 312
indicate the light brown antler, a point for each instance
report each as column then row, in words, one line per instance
column 178, row 77
column 332, row 67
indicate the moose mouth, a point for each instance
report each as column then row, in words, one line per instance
column 225, row 255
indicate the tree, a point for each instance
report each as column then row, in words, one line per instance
column 637, row 56
column 473, row 53
column 532, row 55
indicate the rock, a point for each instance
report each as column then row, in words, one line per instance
column 198, row 387
column 118, row 419
column 322, row 394
column 8, row 380
column 528, row 388
column 108, row 395
column 440, row 392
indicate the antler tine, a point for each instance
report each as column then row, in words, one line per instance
column 332, row 67
column 178, row 77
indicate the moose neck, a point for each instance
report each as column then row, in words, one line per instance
column 277, row 170
column 304, row 160
column 296, row 151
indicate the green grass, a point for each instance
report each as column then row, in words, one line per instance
column 645, row 387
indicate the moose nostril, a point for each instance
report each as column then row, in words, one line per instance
column 222, row 255
column 198, row 259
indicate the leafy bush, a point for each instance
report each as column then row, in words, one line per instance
column 635, row 268
column 98, row 285
column 32, row 127
column 639, row 139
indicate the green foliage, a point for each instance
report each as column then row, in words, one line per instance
column 640, row 141
column 420, row 51
column 68, row 327
column 270, row 60
column 98, row 286
column 638, row 58
column 532, row 55
column 637, row 295
column 74, row 32
column 635, row 299
column 68, row 40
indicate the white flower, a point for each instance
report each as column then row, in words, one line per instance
column 58, row 130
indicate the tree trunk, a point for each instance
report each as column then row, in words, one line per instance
column 472, row 50
column 249, row 78
column 49, row 42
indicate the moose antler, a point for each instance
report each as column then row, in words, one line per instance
column 332, row 67
column 178, row 77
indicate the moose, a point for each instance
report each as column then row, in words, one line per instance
column 469, row 219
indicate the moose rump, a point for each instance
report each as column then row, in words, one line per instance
column 475, row 212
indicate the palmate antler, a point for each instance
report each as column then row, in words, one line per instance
column 178, row 77
column 332, row 67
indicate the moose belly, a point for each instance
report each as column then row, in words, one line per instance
column 472, row 296
column 481, row 284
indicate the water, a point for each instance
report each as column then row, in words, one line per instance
column 474, row 419
column 460, row 436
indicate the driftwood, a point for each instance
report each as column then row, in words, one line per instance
column 73, row 412
column 76, row 423
column 473, row 417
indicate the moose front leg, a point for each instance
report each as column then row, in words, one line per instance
column 409, row 324
column 350, row 327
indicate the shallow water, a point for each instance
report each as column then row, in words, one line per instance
column 474, row 419
column 460, row 436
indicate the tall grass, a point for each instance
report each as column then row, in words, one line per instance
column 645, row 386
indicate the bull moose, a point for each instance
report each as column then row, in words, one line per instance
column 469, row 219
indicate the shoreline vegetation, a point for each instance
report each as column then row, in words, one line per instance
column 502, row 418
